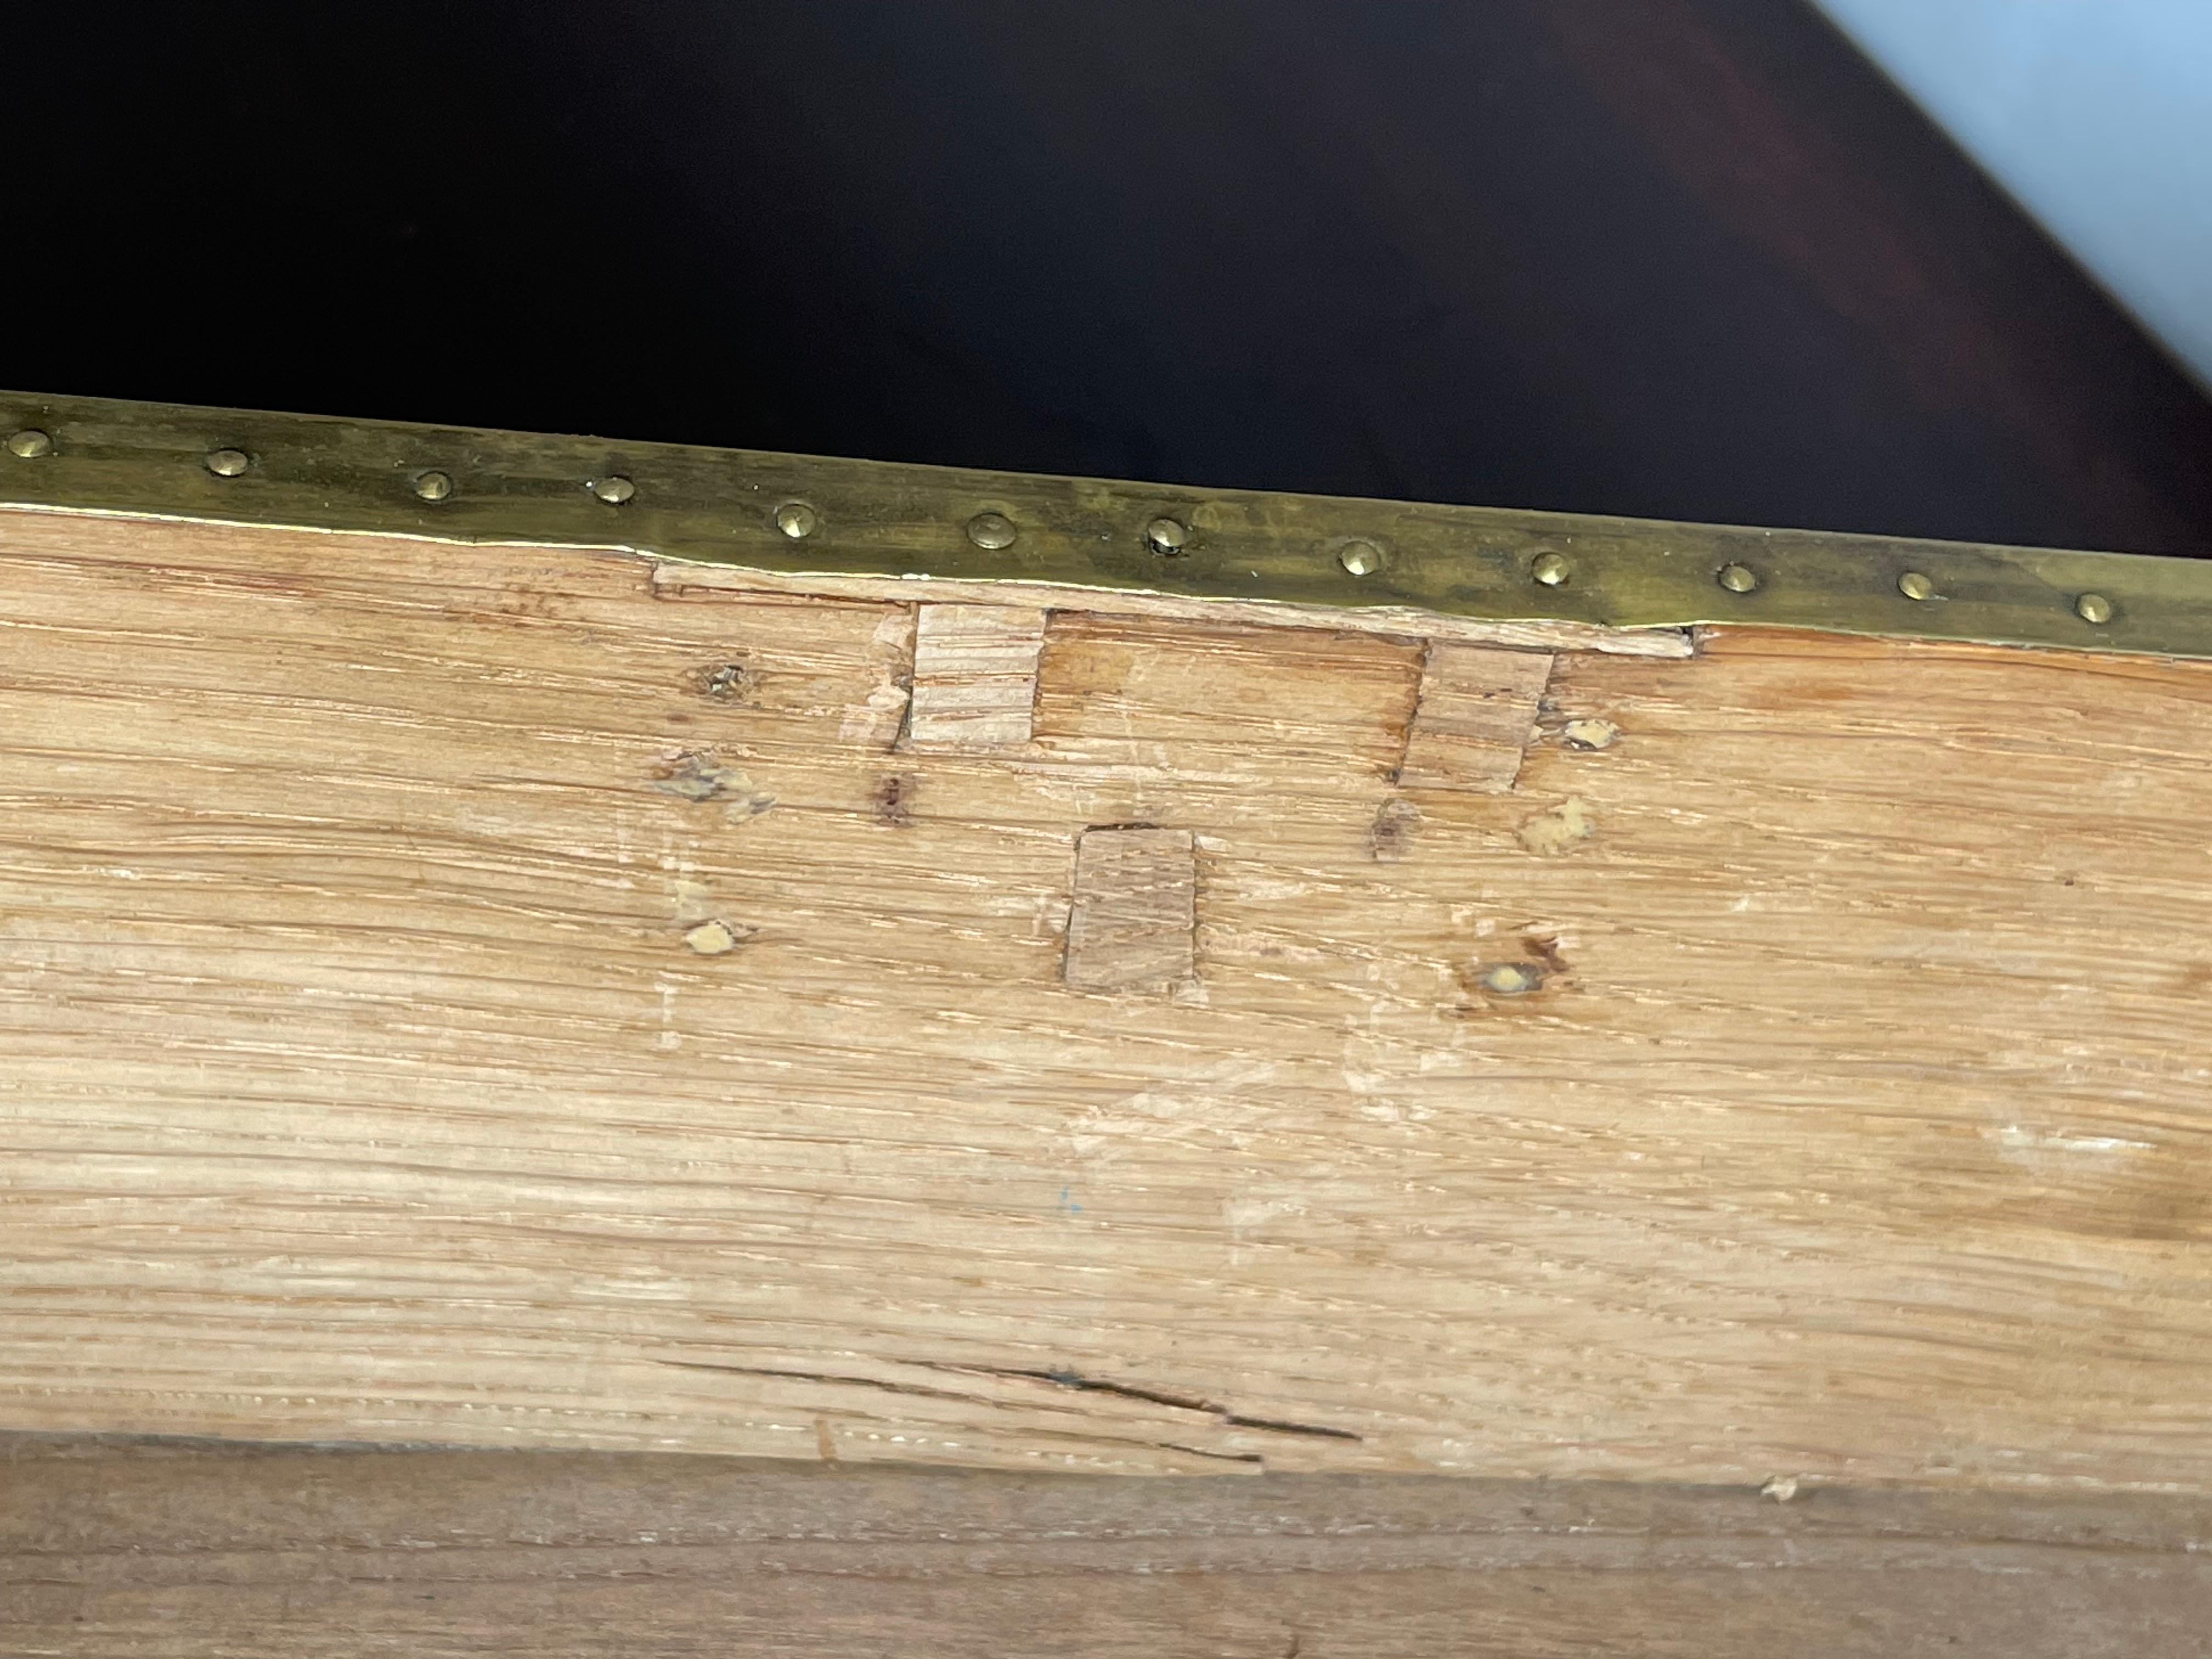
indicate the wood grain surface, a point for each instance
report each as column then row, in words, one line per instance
column 1800, row 1072
column 111, row 1552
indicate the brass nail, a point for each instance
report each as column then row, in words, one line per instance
column 435, row 486
column 614, row 490
column 1360, row 558
column 796, row 520
column 1738, row 578
column 1166, row 536
column 30, row 443
column 227, row 463
column 991, row 531
column 1914, row 586
column 1549, row 568
column 2094, row 608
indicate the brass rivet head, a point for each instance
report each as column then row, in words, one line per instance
column 2094, row 608
column 1359, row 558
column 30, row 443
column 991, row 531
column 1550, row 569
column 796, row 520
column 434, row 486
column 1737, row 578
column 1914, row 586
column 227, row 463
column 1166, row 537
column 614, row 490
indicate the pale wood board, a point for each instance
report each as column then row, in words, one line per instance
column 267, row 1554
column 360, row 1079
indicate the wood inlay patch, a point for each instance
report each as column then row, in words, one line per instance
column 1135, row 910
column 974, row 676
column 1477, row 709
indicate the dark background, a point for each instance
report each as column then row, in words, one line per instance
column 1687, row 258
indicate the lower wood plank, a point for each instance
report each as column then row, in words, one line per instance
column 266, row 1554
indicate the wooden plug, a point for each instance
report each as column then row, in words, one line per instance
column 1476, row 713
column 975, row 677
column 1134, row 912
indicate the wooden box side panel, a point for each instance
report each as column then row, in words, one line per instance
column 486, row 996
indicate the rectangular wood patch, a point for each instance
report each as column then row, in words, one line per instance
column 1477, row 709
column 974, row 676
column 1135, row 910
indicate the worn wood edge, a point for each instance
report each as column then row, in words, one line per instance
column 680, row 579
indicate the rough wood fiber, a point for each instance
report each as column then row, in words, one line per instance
column 1809, row 1077
column 114, row 1554
column 1473, row 717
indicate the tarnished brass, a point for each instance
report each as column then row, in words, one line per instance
column 1359, row 558
column 797, row 515
column 991, row 531
column 1166, row 537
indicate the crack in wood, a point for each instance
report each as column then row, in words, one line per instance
column 1076, row 1380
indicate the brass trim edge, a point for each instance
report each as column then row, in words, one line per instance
column 801, row 516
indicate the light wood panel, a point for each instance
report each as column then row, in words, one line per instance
column 119, row 1552
column 1800, row 1071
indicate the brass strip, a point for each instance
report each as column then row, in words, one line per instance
column 801, row 515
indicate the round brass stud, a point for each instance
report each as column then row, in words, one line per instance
column 1359, row 558
column 1737, row 578
column 1549, row 568
column 227, row 463
column 1915, row 585
column 434, row 486
column 796, row 520
column 614, row 490
column 991, row 531
column 30, row 443
column 1166, row 537
column 2094, row 608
